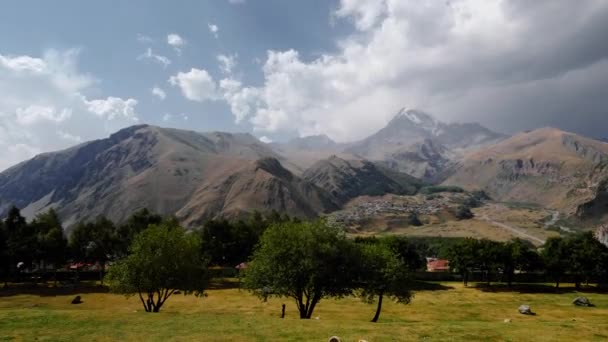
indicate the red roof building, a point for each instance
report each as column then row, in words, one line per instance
column 437, row 265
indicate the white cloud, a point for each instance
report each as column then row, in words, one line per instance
column 195, row 85
column 169, row 117
column 113, row 108
column 142, row 38
column 69, row 137
column 150, row 55
column 176, row 41
column 227, row 63
column 425, row 54
column 265, row 140
column 37, row 114
column 42, row 103
column 159, row 92
column 214, row 29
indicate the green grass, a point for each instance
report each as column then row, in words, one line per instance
column 449, row 312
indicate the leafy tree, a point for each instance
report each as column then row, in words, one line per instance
column 519, row 255
column 413, row 219
column 4, row 256
column 463, row 257
column 94, row 242
column 407, row 251
column 52, row 244
column 21, row 239
column 488, row 257
column 305, row 261
column 585, row 253
column 555, row 255
column 136, row 223
column 464, row 212
column 163, row 259
column 382, row 273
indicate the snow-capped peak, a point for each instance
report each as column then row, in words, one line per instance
column 421, row 119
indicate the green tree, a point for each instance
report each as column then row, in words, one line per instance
column 585, row 254
column 21, row 240
column 4, row 256
column 382, row 273
column 305, row 261
column 463, row 257
column 52, row 243
column 555, row 255
column 163, row 259
column 464, row 212
column 519, row 255
column 94, row 242
column 407, row 251
column 136, row 223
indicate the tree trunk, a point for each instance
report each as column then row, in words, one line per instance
column 379, row 308
column 465, row 279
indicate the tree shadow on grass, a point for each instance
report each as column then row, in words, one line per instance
column 224, row 284
column 46, row 290
column 536, row 288
column 418, row 285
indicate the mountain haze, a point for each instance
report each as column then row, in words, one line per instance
column 162, row 169
column 547, row 166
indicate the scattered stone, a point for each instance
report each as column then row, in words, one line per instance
column 525, row 310
column 581, row 301
column 334, row 339
column 77, row 300
column 507, row 320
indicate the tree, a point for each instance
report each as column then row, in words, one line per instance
column 519, row 255
column 463, row 257
column 163, row 259
column 305, row 261
column 464, row 212
column 555, row 256
column 21, row 239
column 413, row 219
column 94, row 242
column 136, row 223
column 405, row 250
column 585, row 254
column 4, row 256
column 382, row 273
column 52, row 244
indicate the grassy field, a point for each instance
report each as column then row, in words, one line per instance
column 448, row 312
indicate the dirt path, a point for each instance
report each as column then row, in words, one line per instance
column 517, row 231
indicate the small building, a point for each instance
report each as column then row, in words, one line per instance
column 437, row 265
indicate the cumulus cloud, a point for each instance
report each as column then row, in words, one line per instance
column 43, row 104
column 214, row 29
column 460, row 60
column 227, row 63
column 149, row 55
column 196, row 85
column 159, row 92
column 265, row 140
column 176, row 41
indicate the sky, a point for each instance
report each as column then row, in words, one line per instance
column 73, row 71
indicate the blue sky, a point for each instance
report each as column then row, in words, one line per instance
column 107, row 33
column 72, row 71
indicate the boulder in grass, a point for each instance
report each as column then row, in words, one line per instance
column 582, row 301
column 525, row 310
column 77, row 300
column 334, row 339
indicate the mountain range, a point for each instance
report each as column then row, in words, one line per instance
column 199, row 176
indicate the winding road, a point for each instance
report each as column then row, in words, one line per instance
column 515, row 230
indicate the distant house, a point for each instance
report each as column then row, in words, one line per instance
column 437, row 265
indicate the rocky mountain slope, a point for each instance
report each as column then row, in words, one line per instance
column 347, row 179
column 169, row 171
column 550, row 167
column 416, row 143
column 412, row 142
